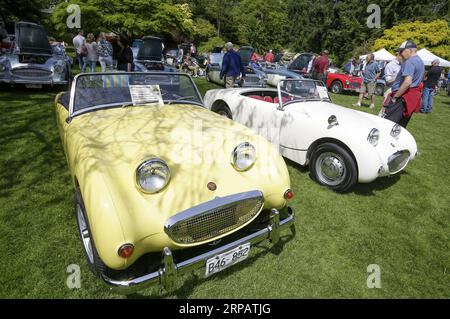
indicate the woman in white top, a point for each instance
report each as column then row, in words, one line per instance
column 91, row 57
column 104, row 52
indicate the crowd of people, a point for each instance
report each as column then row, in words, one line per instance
column 91, row 51
column 410, row 88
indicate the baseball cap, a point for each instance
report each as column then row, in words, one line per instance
column 408, row 44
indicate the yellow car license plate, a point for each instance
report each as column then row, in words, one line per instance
column 226, row 259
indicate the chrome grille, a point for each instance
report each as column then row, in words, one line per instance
column 252, row 79
column 354, row 85
column 31, row 73
column 215, row 218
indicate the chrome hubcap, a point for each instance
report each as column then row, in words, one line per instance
column 84, row 232
column 335, row 88
column 330, row 169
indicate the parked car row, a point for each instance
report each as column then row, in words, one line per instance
column 164, row 186
column 167, row 182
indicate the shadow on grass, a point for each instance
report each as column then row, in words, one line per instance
column 369, row 189
column 194, row 279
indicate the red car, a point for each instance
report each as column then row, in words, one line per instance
column 339, row 82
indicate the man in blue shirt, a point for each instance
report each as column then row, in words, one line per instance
column 406, row 92
column 232, row 66
column 370, row 76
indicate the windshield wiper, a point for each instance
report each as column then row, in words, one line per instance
column 182, row 98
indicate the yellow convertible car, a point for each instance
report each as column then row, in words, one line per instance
column 164, row 186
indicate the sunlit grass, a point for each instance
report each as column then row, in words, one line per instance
column 400, row 223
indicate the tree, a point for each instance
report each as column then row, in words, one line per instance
column 434, row 35
column 134, row 17
column 260, row 23
column 26, row 10
column 203, row 30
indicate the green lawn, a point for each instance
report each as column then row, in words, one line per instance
column 401, row 223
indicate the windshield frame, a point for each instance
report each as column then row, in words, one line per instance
column 73, row 114
column 282, row 105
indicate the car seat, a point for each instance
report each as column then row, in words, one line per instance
column 268, row 99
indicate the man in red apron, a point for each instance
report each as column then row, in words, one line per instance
column 406, row 96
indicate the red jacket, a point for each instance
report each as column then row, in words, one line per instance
column 412, row 98
column 269, row 57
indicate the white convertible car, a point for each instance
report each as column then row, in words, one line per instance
column 341, row 146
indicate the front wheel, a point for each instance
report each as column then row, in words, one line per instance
column 332, row 166
column 95, row 264
column 336, row 87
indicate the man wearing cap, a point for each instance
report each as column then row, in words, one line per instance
column 370, row 75
column 429, row 86
column 406, row 94
column 232, row 66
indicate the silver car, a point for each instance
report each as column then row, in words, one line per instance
column 32, row 61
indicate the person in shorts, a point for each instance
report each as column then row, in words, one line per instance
column 370, row 75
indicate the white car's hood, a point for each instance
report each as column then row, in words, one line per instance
column 348, row 118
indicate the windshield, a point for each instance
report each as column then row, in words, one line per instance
column 119, row 89
column 246, row 54
column 150, row 49
column 216, row 58
column 302, row 90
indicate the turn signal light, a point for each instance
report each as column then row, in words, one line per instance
column 126, row 250
column 289, row 194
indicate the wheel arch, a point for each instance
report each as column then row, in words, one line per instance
column 220, row 103
column 324, row 140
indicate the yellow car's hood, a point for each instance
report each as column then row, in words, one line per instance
column 108, row 145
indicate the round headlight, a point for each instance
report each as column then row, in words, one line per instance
column 373, row 137
column 243, row 157
column 58, row 68
column 2, row 67
column 396, row 130
column 152, row 175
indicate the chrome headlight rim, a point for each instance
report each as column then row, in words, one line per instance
column 237, row 153
column 396, row 130
column 374, row 137
column 2, row 67
column 153, row 161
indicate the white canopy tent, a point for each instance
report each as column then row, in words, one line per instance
column 428, row 57
column 380, row 55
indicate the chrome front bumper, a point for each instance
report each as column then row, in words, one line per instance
column 166, row 276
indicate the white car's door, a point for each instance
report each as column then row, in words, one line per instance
column 261, row 116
